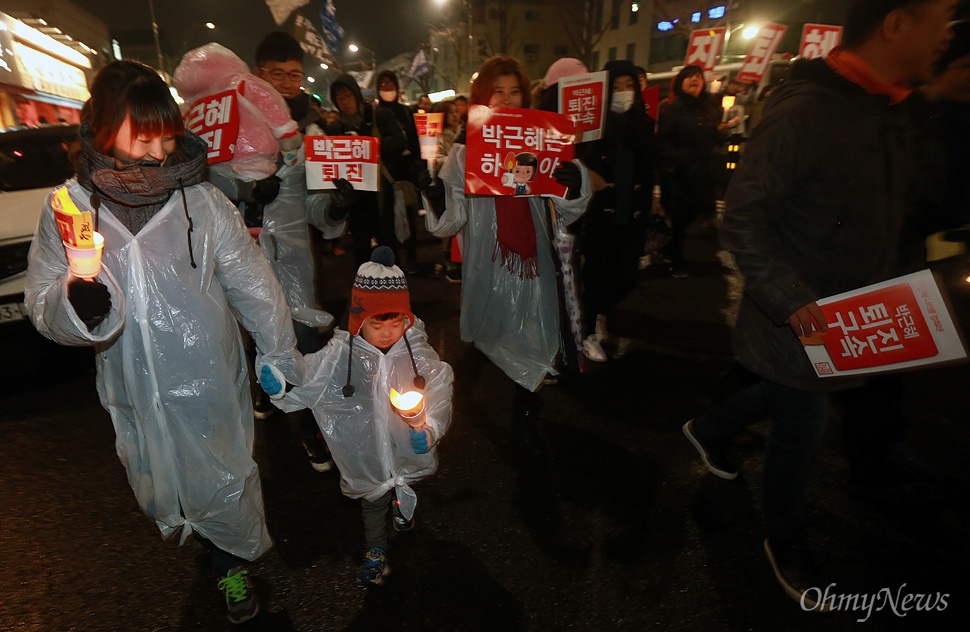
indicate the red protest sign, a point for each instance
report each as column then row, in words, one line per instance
column 651, row 101
column 704, row 47
column 512, row 151
column 900, row 323
column 818, row 40
column 763, row 46
column 215, row 118
column 354, row 158
column 583, row 99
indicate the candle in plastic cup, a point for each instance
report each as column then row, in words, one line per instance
column 409, row 405
column 429, row 147
column 85, row 263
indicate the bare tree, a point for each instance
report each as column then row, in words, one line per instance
column 584, row 24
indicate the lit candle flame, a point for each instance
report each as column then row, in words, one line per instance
column 406, row 401
column 509, row 161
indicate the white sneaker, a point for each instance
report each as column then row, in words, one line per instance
column 593, row 350
column 601, row 333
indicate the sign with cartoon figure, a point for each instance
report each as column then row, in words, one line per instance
column 897, row 324
column 513, row 151
column 583, row 99
column 354, row 158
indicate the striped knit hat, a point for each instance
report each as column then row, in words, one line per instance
column 379, row 288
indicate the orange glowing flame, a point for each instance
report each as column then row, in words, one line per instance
column 406, row 402
column 510, row 161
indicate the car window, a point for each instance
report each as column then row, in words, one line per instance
column 36, row 158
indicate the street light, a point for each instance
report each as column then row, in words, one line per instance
column 354, row 48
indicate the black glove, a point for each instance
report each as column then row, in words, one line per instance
column 568, row 175
column 434, row 190
column 343, row 198
column 266, row 190
column 90, row 300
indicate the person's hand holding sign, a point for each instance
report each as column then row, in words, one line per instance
column 568, row 175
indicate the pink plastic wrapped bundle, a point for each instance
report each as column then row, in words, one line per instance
column 245, row 121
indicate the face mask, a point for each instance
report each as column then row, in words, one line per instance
column 389, row 95
column 621, row 102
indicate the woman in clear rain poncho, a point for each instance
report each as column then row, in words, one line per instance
column 510, row 310
column 179, row 269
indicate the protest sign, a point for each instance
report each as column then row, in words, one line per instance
column 763, row 46
column 583, row 99
column 215, row 119
column 354, row 158
column 818, row 40
column 896, row 324
column 512, row 151
column 704, row 47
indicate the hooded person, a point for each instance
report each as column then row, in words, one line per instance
column 179, row 275
column 613, row 228
column 404, row 169
column 689, row 130
column 371, row 217
column 349, row 383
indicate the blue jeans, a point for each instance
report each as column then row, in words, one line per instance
column 798, row 425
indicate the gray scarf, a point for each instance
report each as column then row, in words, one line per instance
column 135, row 191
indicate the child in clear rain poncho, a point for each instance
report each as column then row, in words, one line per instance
column 380, row 447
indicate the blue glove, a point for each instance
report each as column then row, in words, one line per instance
column 268, row 381
column 421, row 439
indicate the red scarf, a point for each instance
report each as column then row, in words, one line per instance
column 515, row 236
column 856, row 70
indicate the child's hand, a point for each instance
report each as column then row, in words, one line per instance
column 421, row 439
column 270, row 383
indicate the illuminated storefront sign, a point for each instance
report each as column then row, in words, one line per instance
column 32, row 60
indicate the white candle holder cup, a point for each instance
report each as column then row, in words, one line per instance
column 85, row 263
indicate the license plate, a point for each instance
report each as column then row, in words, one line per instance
column 9, row 312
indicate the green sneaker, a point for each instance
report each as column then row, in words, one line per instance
column 241, row 601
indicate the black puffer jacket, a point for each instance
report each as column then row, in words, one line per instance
column 817, row 207
column 371, row 121
column 624, row 157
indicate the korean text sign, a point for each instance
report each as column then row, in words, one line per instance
column 818, row 40
column 704, row 47
column 763, row 46
column 583, row 99
column 512, row 151
column 888, row 326
column 354, row 158
column 215, row 118
column 429, row 126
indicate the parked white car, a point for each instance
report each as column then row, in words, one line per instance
column 32, row 162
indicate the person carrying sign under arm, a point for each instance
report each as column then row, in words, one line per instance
column 510, row 313
column 817, row 207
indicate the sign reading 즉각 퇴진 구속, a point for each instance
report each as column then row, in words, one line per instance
column 885, row 327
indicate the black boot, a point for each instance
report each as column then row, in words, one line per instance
column 525, row 426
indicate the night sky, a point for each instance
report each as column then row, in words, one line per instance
column 388, row 27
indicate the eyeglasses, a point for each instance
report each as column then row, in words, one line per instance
column 278, row 74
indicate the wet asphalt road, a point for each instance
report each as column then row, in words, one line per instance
column 618, row 527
